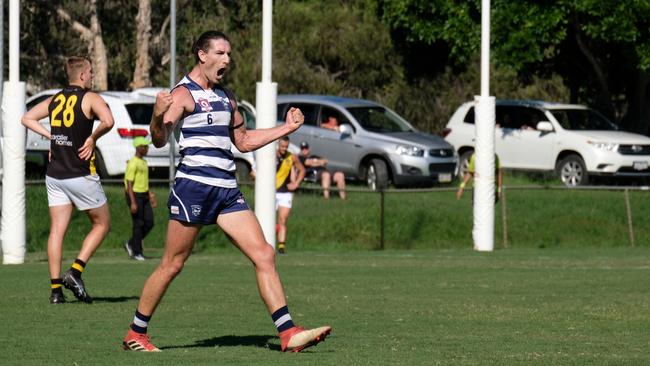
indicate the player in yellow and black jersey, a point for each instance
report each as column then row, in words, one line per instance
column 284, row 186
column 71, row 179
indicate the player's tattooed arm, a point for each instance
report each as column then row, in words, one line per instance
column 246, row 140
column 168, row 110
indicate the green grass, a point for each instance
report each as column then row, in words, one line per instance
column 412, row 220
column 420, row 307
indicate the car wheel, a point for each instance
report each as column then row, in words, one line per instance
column 572, row 171
column 376, row 175
column 100, row 166
column 463, row 163
column 243, row 172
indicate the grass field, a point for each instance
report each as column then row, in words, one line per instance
column 413, row 220
column 568, row 290
column 420, row 307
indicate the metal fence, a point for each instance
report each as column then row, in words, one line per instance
column 504, row 213
column 503, row 206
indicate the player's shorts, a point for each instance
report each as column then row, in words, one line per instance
column 284, row 199
column 199, row 203
column 84, row 192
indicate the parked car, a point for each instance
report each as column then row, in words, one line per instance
column 373, row 143
column 573, row 141
column 132, row 113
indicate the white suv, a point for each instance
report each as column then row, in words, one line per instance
column 132, row 113
column 572, row 140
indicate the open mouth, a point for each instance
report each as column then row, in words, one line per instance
column 221, row 71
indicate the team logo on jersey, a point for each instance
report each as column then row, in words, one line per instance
column 174, row 210
column 225, row 102
column 205, row 105
column 196, row 210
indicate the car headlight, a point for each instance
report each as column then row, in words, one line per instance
column 409, row 150
column 607, row 146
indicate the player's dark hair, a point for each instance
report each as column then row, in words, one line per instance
column 284, row 138
column 203, row 42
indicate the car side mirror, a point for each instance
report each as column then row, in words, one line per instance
column 544, row 126
column 345, row 130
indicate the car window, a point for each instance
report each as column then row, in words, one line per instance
column 281, row 111
column 34, row 102
column 140, row 113
column 310, row 111
column 583, row 119
column 248, row 116
column 379, row 119
column 469, row 117
column 516, row 117
column 327, row 112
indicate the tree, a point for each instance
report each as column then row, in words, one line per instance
column 92, row 35
column 143, row 38
column 600, row 48
column 342, row 53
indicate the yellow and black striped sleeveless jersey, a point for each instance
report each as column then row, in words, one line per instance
column 70, row 128
column 283, row 175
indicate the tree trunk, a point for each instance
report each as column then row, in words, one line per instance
column 96, row 48
column 604, row 97
column 143, row 37
column 100, row 60
column 637, row 116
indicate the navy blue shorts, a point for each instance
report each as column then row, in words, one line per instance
column 198, row 203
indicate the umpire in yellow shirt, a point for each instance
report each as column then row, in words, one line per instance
column 138, row 198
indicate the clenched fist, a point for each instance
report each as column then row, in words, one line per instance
column 163, row 102
column 295, row 118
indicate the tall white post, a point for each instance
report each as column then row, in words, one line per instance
column 13, row 180
column 483, row 231
column 266, row 108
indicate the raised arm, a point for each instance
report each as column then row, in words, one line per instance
column 246, row 140
column 37, row 113
column 167, row 111
column 98, row 108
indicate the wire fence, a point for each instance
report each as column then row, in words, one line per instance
column 433, row 218
column 503, row 204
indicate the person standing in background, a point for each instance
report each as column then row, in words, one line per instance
column 140, row 200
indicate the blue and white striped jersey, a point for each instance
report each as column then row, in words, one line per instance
column 205, row 140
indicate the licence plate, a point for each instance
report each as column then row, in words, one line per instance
column 444, row 177
column 640, row 165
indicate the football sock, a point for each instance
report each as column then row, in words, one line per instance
column 282, row 319
column 281, row 245
column 77, row 267
column 140, row 322
column 55, row 285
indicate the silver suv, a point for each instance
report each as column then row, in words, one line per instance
column 373, row 143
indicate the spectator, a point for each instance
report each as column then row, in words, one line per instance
column 331, row 123
column 316, row 168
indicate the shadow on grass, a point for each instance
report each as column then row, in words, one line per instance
column 115, row 299
column 232, row 341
